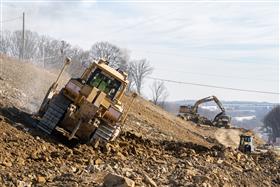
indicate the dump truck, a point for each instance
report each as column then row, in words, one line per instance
column 190, row 113
column 88, row 107
column 246, row 144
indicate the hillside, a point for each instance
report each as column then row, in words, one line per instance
column 156, row 148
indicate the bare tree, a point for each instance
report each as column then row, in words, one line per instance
column 15, row 44
column 116, row 57
column 50, row 52
column 79, row 61
column 159, row 92
column 31, row 45
column 139, row 70
column 11, row 44
column 272, row 122
column 5, row 42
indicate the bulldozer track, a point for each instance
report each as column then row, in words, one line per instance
column 104, row 132
column 54, row 114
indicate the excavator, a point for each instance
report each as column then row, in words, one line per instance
column 189, row 113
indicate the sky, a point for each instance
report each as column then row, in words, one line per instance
column 226, row 43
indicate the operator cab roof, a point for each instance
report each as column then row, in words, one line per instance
column 122, row 76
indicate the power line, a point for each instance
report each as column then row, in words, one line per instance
column 214, row 86
column 215, row 75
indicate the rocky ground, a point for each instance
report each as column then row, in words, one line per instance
column 155, row 148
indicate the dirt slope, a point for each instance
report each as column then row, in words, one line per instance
column 24, row 86
column 155, row 146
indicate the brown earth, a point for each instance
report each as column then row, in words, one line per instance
column 155, row 146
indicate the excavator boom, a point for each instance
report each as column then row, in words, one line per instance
column 208, row 99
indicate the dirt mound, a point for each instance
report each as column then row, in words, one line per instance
column 155, row 148
column 23, row 84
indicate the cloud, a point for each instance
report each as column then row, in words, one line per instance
column 237, row 39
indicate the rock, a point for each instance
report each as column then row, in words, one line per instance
column 267, row 183
column 23, row 184
column 191, row 172
column 150, row 181
column 191, row 152
column 220, row 161
column 233, row 166
column 55, row 154
column 206, row 184
column 21, row 161
column 98, row 161
column 238, row 156
column 159, row 161
column 7, row 164
column 41, row 179
column 188, row 163
column 34, row 155
column 127, row 171
column 200, row 179
column 113, row 180
column 209, row 159
column 121, row 156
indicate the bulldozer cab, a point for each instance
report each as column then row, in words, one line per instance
column 104, row 83
column 106, row 79
column 246, row 144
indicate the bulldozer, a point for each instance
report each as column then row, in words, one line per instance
column 190, row 113
column 88, row 107
column 246, row 144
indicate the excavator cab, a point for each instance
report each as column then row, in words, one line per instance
column 222, row 120
column 246, row 144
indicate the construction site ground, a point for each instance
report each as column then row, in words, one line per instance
column 155, row 147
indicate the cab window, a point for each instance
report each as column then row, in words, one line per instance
column 104, row 83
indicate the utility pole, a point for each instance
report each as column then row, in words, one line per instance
column 23, row 36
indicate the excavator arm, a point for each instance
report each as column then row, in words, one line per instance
column 221, row 119
column 208, row 99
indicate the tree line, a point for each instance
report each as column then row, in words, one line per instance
column 272, row 124
column 49, row 53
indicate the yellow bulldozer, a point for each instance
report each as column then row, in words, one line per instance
column 89, row 107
